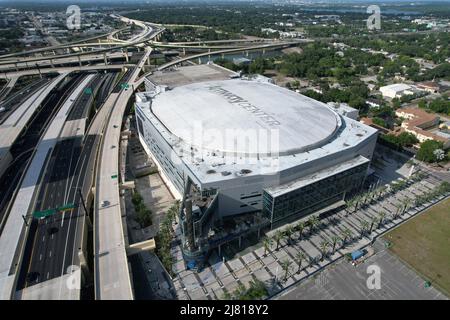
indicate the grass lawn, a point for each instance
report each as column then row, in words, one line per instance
column 424, row 243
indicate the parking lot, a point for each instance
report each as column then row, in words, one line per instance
column 343, row 281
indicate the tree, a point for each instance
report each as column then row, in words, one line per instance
column 406, row 203
column 346, row 234
column 313, row 222
column 364, row 225
column 396, row 103
column 423, row 104
column 439, row 154
column 373, row 221
column 382, row 216
column 136, row 198
column 334, row 241
column 427, row 149
column 285, row 265
column 278, row 236
column 300, row 227
column 323, row 246
column 397, row 212
column 380, row 122
column 267, row 243
column 300, row 256
column 289, row 232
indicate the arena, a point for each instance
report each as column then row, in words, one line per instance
column 245, row 155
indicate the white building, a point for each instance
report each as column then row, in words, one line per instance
column 396, row 90
column 248, row 150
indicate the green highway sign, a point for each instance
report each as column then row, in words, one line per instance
column 50, row 212
column 43, row 214
column 124, row 85
column 88, row 91
column 66, row 207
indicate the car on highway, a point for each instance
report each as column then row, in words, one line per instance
column 32, row 276
column 52, row 230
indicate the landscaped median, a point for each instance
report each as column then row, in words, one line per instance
column 424, row 242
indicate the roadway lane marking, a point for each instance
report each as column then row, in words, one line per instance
column 70, row 220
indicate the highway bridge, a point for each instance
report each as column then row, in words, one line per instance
column 228, row 51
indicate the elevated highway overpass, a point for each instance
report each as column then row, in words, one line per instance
column 227, row 51
column 112, row 276
column 65, row 69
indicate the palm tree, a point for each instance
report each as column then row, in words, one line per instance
column 267, row 243
column 285, row 265
column 346, row 234
column 300, row 256
column 383, row 190
column 350, row 203
column 278, row 236
column 364, row 224
column 397, row 212
column 406, row 204
column 382, row 215
column 313, row 222
column 323, row 246
column 334, row 241
column 366, row 196
column 373, row 221
column 300, row 227
column 289, row 232
column 357, row 202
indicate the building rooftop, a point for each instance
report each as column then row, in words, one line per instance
column 416, row 117
column 245, row 108
column 398, row 87
column 193, row 118
column 429, row 84
column 176, row 77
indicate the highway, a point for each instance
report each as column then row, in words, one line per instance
column 11, row 103
column 73, row 58
column 58, row 239
column 66, row 70
column 112, row 278
column 15, row 229
column 219, row 52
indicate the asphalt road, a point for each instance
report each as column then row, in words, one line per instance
column 57, row 238
column 22, row 149
column 15, row 100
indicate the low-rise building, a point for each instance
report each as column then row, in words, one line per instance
column 416, row 123
column 396, row 90
column 429, row 86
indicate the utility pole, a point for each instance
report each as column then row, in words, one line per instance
column 82, row 201
column 85, row 209
column 25, row 220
